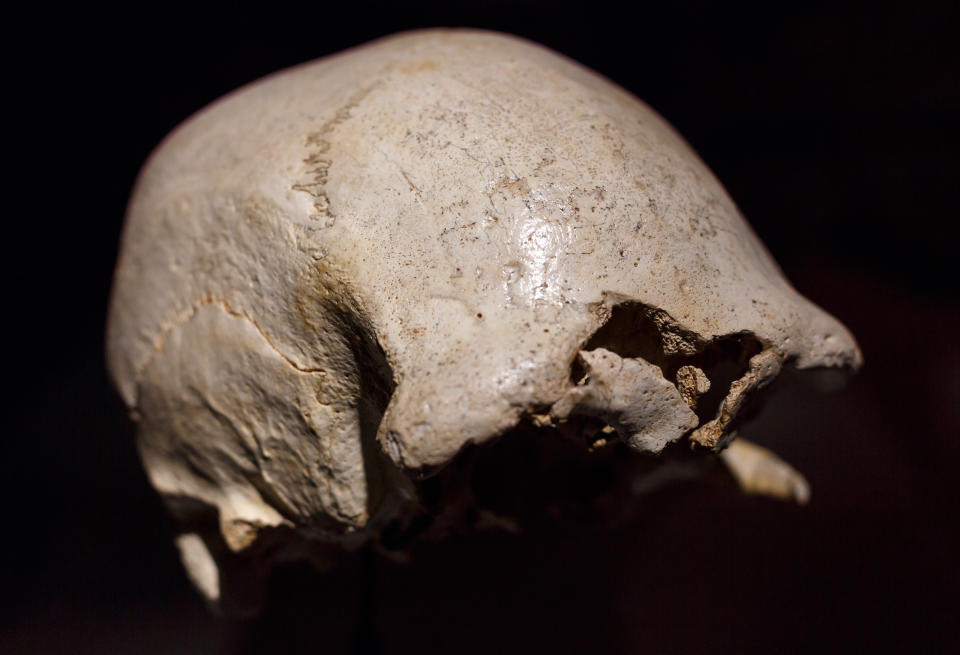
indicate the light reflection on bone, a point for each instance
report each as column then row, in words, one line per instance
column 539, row 234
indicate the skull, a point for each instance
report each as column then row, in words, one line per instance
column 336, row 279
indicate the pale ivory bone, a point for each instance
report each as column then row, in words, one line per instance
column 340, row 275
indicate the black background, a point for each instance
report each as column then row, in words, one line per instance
column 834, row 129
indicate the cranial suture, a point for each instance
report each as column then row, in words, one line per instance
column 343, row 279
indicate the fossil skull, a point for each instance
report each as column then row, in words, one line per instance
column 335, row 279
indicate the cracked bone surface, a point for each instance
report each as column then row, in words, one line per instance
column 333, row 280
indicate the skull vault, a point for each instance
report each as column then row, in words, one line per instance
column 335, row 281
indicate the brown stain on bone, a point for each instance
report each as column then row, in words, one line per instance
column 419, row 67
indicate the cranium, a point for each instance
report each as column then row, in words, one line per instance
column 335, row 279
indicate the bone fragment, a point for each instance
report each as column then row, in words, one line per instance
column 692, row 383
column 763, row 368
column 760, row 471
column 633, row 397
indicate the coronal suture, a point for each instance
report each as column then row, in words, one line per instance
column 318, row 162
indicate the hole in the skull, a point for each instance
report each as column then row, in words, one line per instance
column 577, row 372
column 534, row 471
column 533, row 475
column 536, row 476
column 723, row 361
column 578, row 471
column 633, row 331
